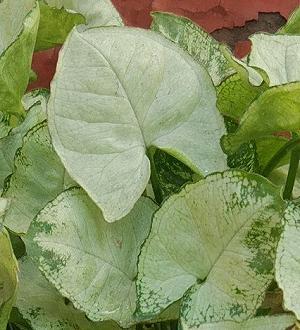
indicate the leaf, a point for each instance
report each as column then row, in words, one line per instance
column 91, row 262
column 35, row 104
column 277, row 55
column 288, row 262
column 277, row 322
column 16, row 52
column 214, row 244
column 42, row 305
column 96, row 12
column 55, row 25
column 115, row 95
column 292, row 26
column 235, row 95
column 38, row 178
column 277, row 109
column 199, row 44
column 8, row 277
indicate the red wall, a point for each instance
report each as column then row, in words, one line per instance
column 210, row 14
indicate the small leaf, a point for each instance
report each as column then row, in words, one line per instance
column 277, row 109
column 216, row 240
column 288, row 261
column 91, row 262
column 35, row 104
column 38, row 178
column 276, row 322
column 292, row 26
column 277, row 55
column 8, row 277
column 115, row 95
column 21, row 19
column 199, row 44
column 45, row 309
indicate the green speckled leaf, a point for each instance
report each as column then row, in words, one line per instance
column 276, row 322
column 277, row 109
column 288, row 260
column 95, row 12
column 115, row 95
column 55, row 25
column 35, row 104
column 277, row 55
column 8, row 277
column 45, row 309
column 216, row 240
column 91, row 262
column 16, row 52
column 38, row 178
column 198, row 43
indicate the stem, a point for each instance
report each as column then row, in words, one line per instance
column 154, row 177
column 282, row 152
column 290, row 180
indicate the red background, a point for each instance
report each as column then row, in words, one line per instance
column 228, row 20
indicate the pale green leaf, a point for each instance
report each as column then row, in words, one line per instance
column 45, row 309
column 35, row 104
column 4, row 204
column 288, row 260
column 55, row 25
column 15, row 58
column 115, row 95
column 277, row 55
column 91, row 262
column 292, row 26
column 38, row 178
column 276, row 322
column 199, row 44
column 8, row 277
column 277, row 109
column 214, row 243
column 95, row 12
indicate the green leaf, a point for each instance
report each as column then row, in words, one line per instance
column 292, row 26
column 235, row 95
column 115, row 95
column 199, row 44
column 277, row 55
column 213, row 243
column 96, row 12
column 35, row 104
column 8, row 277
column 16, row 52
column 276, row 322
column 288, row 262
column 55, row 25
column 91, row 262
column 45, row 309
column 38, row 178
column 277, row 109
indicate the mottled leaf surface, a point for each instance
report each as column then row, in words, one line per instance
column 288, row 260
column 38, row 178
column 277, row 55
column 45, row 309
column 21, row 20
column 8, row 276
column 277, row 109
column 199, row 44
column 216, row 240
column 276, row 322
column 115, row 95
column 91, row 262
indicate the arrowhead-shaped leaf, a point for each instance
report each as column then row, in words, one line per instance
column 91, row 262
column 216, row 240
column 115, row 95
